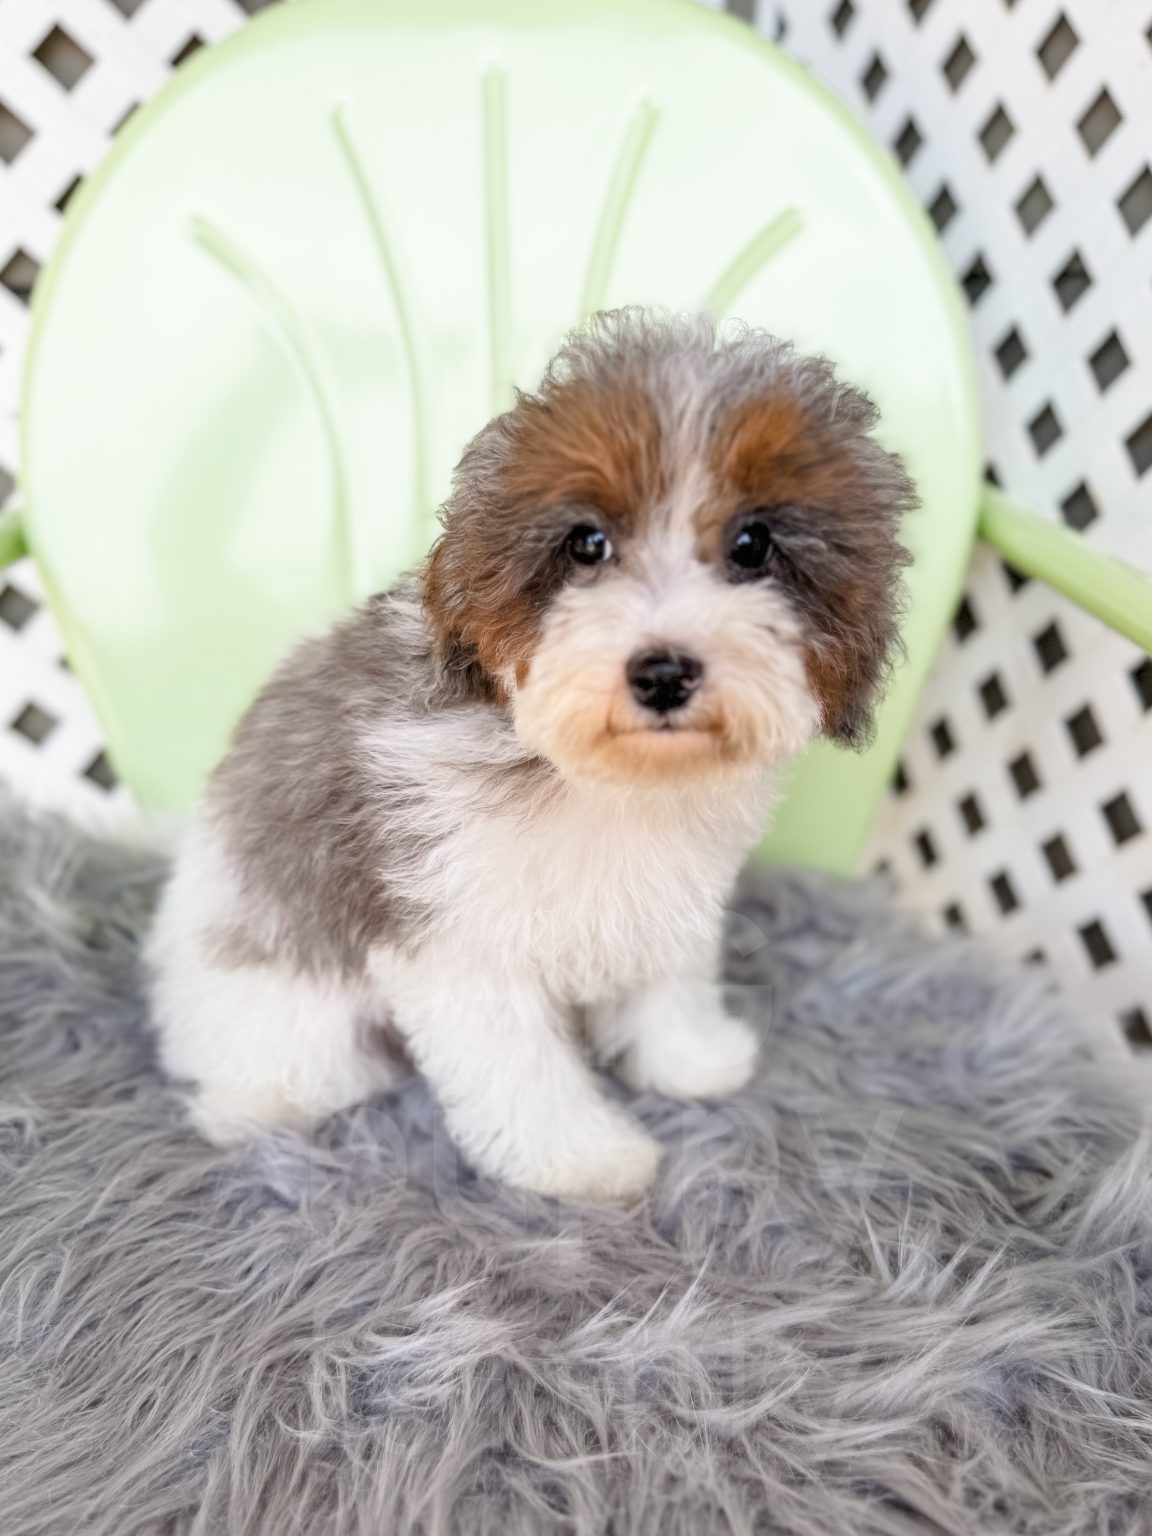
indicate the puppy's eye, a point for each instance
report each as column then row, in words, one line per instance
column 751, row 547
column 588, row 545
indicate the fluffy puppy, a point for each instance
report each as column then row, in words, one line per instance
column 515, row 790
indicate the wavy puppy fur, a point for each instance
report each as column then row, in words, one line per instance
column 517, row 789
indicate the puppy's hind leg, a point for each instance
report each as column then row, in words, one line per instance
column 263, row 1046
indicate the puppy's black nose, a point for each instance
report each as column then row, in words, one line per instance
column 663, row 680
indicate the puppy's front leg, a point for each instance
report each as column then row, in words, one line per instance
column 518, row 1098
column 674, row 1037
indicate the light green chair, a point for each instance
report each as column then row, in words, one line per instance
column 318, row 262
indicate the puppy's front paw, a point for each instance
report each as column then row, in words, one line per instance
column 607, row 1157
column 709, row 1058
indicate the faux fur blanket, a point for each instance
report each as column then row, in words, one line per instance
column 903, row 1284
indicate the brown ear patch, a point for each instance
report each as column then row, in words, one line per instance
column 751, row 451
column 582, row 446
column 771, row 451
column 588, row 442
column 844, row 677
column 761, row 436
column 482, row 626
column 833, row 498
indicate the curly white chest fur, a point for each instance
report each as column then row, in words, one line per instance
column 595, row 894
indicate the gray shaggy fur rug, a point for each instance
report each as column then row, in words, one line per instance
column 903, row 1284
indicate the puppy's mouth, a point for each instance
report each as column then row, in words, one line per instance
column 691, row 739
column 666, row 727
column 666, row 749
column 693, row 727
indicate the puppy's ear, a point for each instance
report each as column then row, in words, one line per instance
column 463, row 574
column 442, row 594
column 860, row 610
column 486, row 579
column 445, row 594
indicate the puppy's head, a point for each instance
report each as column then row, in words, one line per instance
column 678, row 558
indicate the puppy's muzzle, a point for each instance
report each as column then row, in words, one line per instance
column 663, row 680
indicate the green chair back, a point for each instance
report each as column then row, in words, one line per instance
column 317, row 262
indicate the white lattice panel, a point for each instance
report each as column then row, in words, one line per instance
column 1025, row 129
column 71, row 72
column 1024, row 809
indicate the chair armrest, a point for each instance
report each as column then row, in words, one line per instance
column 1116, row 592
column 12, row 545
